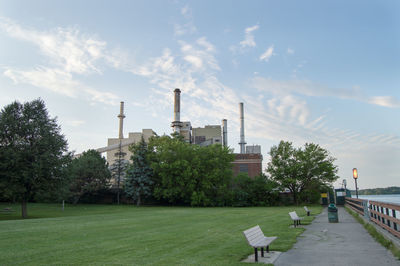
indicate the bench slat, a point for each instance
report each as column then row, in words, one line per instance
column 255, row 237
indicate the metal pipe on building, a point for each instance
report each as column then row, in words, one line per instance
column 176, row 124
column 121, row 117
column 224, row 132
column 242, row 142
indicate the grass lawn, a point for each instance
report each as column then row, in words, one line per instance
column 110, row 234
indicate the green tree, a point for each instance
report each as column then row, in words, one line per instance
column 256, row 191
column 33, row 152
column 118, row 169
column 190, row 174
column 212, row 174
column 89, row 174
column 139, row 174
column 301, row 169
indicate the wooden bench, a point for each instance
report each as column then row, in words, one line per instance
column 7, row 210
column 256, row 238
column 307, row 210
column 295, row 218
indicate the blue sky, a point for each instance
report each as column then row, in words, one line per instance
column 307, row 71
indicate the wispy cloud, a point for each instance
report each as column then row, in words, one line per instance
column 267, row 54
column 187, row 26
column 55, row 80
column 75, row 123
column 290, row 51
column 309, row 88
column 249, row 37
column 67, row 52
column 65, row 47
column 386, row 101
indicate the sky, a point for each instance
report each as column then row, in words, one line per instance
column 326, row 72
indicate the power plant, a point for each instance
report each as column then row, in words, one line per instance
column 249, row 160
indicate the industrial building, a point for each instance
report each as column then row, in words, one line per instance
column 204, row 136
column 120, row 146
column 210, row 134
column 133, row 137
column 249, row 163
column 249, row 160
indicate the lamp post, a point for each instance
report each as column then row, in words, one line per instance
column 355, row 176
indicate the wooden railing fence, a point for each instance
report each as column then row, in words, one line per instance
column 355, row 205
column 385, row 215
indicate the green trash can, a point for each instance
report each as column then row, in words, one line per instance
column 333, row 213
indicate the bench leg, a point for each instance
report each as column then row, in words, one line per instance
column 294, row 223
column 255, row 255
column 262, row 252
column 308, row 213
column 267, row 249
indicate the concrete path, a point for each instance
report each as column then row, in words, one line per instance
column 344, row 243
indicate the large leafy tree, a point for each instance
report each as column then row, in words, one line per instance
column 89, row 174
column 138, row 180
column 33, row 152
column 212, row 174
column 190, row 174
column 301, row 169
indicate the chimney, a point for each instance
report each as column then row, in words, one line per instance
column 121, row 117
column 242, row 142
column 176, row 124
column 224, row 132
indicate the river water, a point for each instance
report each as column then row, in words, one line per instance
column 391, row 198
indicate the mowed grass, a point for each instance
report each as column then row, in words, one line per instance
column 128, row 235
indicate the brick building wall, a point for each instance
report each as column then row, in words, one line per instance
column 250, row 163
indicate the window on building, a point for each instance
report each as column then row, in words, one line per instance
column 243, row 168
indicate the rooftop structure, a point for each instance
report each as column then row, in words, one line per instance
column 210, row 134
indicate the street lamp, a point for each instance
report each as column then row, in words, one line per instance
column 355, row 176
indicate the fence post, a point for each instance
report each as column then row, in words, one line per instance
column 366, row 210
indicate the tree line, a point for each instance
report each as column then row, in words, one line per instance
column 35, row 164
column 378, row 191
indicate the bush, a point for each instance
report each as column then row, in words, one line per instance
column 258, row 191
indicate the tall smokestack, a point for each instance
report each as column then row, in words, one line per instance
column 121, row 117
column 242, row 142
column 176, row 124
column 224, row 132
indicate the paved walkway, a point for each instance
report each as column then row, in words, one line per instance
column 344, row 243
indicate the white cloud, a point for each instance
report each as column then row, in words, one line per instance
column 267, row 54
column 186, row 11
column 75, row 123
column 65, row 47
column 186, row 27
column 194, row 60
column 249, row 37
column 386, row 101
column 68, row 53
column 290, row 51
column 309, row 88
column 304, row 87
column 55, row 80
column 203, row 42
column 61, row 82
